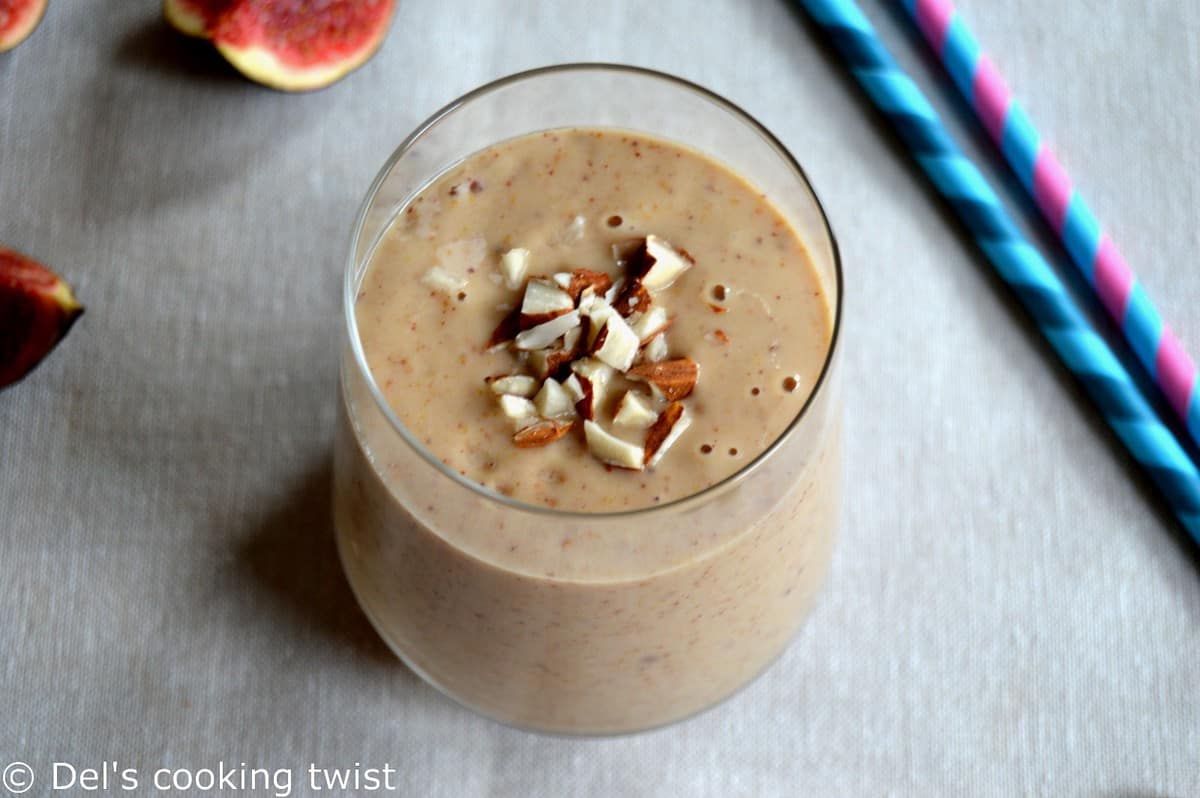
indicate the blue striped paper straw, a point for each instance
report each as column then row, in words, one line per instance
column 1092, row 251
column 1018, row 263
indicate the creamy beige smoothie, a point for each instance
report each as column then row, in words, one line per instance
column 592, row 326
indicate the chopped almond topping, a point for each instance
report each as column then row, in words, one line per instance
column 543, row 335
column 543, row 302
column 634, row 298
column 572, row 340
column 518, row 410
column 575, row 331
column 513, row 265
column 650, row 324
column 593, row 369
column 514, row 384
column 663, row 263
column 596, row 312
column 666, row 430
column 542, row 433
column 656, row 351
column 556, row 361
column 593, row 377
column 616, row 345
column 634, row 412
column 573, row 387
column 614, row 290
column 675, row 378
column 598, row 341
column 581, row 279
column 552, row 400
column 538, row 361
column 608, row 448
column 586, row 404
column 506, row 330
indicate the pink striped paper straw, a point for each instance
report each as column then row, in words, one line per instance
column 1092, row 251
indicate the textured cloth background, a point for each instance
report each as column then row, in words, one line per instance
column 1009, row 612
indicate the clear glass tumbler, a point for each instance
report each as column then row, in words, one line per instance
column 724, row 577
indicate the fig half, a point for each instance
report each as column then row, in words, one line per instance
column 37, row 308
column 18, row 18
column 291, row 45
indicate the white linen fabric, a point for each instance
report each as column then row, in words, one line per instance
column 1010, row 610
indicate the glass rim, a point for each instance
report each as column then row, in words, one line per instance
column 350, row 291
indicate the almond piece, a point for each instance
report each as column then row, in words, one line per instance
column 666, row 430
column 514, row 264
column 608, row 448
column 541, row 433
column 614, row 290
column 514, row 385
column 571, row 339
column 594, row 377
column 582, row 279
column 664, row 264
column 556, row 362
column 634, row 298
column 597, row 313
column 650, row 324
column 595, row 370
column 573, row 388
column 542, row 303
column 633, row 412
column 675, row 378
column 548, row 362
column 585, row 405
column 541, row 336
column 656, row 351
column 552, row 400
column 439, row 279
column 616, row 345
column 506, row 330
column 538, row 361
column 586, row 297
column 518, row 410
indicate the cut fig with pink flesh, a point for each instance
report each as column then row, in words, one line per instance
column 18, row 18
column 295, row 45
column 37, row 308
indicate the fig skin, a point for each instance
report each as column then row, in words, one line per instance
column 32, row 12
column 37, row 308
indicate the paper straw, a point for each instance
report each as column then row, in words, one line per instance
column 1092, row 251
column 1018, row 263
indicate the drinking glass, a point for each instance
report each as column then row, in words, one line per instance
column 587, row 644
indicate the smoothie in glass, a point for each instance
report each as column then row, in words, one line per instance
column 588, row 463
